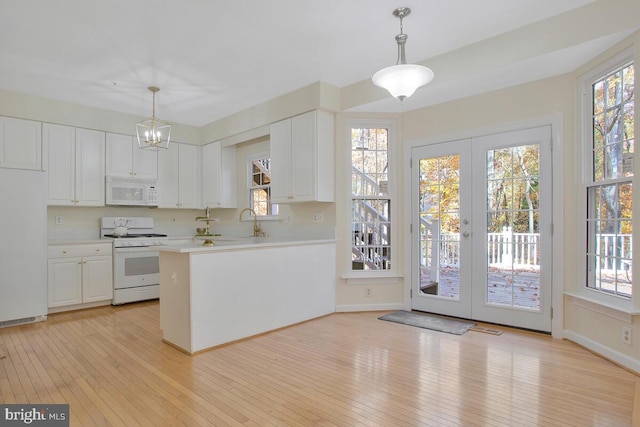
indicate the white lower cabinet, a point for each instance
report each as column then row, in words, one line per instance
column 79, row 274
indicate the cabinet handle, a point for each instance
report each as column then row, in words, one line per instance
column 97, row 250
column 64, row 252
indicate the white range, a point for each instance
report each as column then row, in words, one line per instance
column 136, row 267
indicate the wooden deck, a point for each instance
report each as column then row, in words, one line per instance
column 521, row 289
column 345, row 369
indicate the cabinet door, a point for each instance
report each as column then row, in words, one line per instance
column 20, row 144
column 119, row 158
column 218, row 176
column 168, row 176
column 280, row 151
column 189, row 180
column 303, row 156
column 65, row 281
column 89, row 167
column 145, row 162
column 97, row 278
column 228, row 182
column 211, row 160
column 59, row 146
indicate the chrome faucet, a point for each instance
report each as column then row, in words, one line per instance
column 257, row 232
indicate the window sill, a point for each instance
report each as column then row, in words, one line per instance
column 594, row 301
column 354, row 278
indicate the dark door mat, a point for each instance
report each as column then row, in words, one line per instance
column 428, row 321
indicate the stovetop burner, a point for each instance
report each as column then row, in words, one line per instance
column 133, row 236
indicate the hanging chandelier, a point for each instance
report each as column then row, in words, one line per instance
column 402, row 79
column 153, row 133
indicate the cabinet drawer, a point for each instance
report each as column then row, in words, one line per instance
column 84, row 249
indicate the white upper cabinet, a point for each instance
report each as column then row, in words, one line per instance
column 60, row 157
column 89, row 167
column 126, row 159
column 20, row 144
column 219, row 176
column 75, row 165
column 302, row 158
column 179, row 177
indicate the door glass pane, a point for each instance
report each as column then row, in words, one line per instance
column 439, row 213
column 513, row 235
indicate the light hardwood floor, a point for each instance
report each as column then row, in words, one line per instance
column 346, row 369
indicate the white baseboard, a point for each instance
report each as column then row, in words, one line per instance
column 52, row 310
column 369, row 307
column 613, row 355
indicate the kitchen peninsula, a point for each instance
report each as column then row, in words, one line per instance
column 212, row 295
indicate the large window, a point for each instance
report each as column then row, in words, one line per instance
column 609, row 186
column 259, row 168
column 370, row 199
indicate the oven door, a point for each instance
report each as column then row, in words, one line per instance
column 136, row 267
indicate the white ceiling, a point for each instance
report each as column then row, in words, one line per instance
column 212, row 58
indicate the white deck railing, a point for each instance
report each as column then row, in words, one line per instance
column 518, row 250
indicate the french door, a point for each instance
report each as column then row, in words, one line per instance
column 481, row 238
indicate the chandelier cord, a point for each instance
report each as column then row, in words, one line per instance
column 153, row 108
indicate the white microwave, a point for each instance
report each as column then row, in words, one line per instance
column 131, row 191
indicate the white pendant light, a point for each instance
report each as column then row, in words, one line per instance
column 402, row 79
column 153, row 133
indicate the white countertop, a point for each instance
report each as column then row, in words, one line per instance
column 76, row 241
column 238, row 243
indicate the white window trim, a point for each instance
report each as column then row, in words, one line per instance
column 351, row 276
column 584, row 135
column 248, row 163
